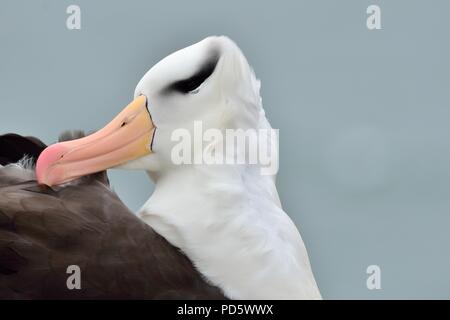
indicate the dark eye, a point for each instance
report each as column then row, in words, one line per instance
column 192, row 83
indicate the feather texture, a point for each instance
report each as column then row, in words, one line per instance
column 45, row 230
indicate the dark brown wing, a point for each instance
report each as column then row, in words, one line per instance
column 14, row 147
column 44, row 231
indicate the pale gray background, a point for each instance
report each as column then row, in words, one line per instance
column 363, row 115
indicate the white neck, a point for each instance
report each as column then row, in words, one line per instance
column 230, row 223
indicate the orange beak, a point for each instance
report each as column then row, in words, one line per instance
column 127, row 137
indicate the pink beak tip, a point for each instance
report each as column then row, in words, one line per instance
column 46, row 159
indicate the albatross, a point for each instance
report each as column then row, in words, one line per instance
column 208, row 231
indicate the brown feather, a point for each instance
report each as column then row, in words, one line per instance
column 44, row 230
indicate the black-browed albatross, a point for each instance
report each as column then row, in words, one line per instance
column 207, row 231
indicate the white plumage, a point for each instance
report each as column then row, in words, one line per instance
column 226, row 218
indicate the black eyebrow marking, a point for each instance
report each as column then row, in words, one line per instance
column 187, row 85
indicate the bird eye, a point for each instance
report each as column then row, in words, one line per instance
column 195, row 91
column 192, row 84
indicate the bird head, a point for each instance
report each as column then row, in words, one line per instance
column 209, row 82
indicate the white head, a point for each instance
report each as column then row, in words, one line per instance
column 209, row 82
